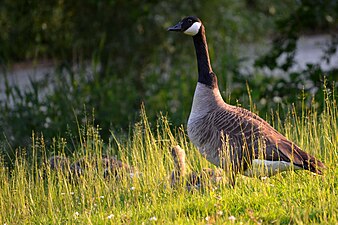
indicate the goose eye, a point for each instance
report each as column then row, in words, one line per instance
column 190, row 20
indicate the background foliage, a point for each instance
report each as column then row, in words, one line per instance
column 110, row 56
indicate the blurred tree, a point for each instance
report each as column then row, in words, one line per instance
column 310, row 16
column 113, row 55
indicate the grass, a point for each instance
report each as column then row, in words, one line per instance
column 33, row 194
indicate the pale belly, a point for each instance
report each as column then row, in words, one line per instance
column 261, row 168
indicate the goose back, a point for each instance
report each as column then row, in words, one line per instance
column 226, row 134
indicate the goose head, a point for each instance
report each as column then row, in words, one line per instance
column 190, row 25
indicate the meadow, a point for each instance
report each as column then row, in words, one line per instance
column 32, row 193
column 110, row 57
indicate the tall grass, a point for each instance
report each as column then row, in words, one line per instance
column 34, row 194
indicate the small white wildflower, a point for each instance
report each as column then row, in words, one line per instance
column 72, row 193
column 207, row 218
column 44, row 108
column 44, row 26
column 264, row 178
column 76, row 214
column 153, row 218
column 220, row 213
column 102, row 197
column 232, row 218
column 95, row 205
column 48, row 120
column 111, row 216
column 132, row 188
column 277, row 99
column 263, row 101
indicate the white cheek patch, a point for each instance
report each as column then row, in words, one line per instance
column 193, row 29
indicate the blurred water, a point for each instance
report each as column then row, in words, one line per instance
column 22, row 74
column 309, row 50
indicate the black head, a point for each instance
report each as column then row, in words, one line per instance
column 189, row 25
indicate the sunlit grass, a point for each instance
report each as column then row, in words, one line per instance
column 32, row 193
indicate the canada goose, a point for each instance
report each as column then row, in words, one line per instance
column 115, row 167
column 193, row 179
column 179, row 172
column 111, row 166
column 58, row 163
column 78, row 167
column 232, row 137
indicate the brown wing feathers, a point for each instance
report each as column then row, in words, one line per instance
column 298, row 157
column 247, row 129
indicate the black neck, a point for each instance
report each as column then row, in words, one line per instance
column 205, row 74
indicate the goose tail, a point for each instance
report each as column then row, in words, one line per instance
column 315, row 166
column 303, row 160
column 308, row 162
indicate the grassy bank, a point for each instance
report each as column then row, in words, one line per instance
column 32, row 193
